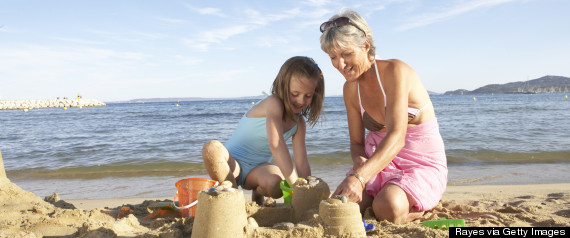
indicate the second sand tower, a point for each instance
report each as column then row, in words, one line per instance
column 306, row 197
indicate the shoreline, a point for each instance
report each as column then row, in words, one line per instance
column 164, row 186
column 452, row 193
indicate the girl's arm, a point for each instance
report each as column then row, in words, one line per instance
column 300, row 150
column 274, row 124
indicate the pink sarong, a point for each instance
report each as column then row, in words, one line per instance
column 420, row 168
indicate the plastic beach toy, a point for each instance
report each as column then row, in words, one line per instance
column 162, row 205
column 368, row 227
column 188, row 190
column 444, row 224
column 287, row 191
column 162, row 210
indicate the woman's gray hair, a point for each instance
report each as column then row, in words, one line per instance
column 338, row 37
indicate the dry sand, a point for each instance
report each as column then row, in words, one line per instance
column 26, row 215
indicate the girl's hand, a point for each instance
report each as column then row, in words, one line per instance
column 350, row 187
column 291, row 179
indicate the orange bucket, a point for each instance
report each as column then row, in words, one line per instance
column 187, row 194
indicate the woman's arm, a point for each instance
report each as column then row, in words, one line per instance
column 396, row 85
column 351, row 186
column 274, row 125
column 355, row 125
column 300, row 150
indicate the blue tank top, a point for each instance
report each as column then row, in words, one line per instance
column 248, row 144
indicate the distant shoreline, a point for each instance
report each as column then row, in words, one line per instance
column 195, row 99
column 49, row 103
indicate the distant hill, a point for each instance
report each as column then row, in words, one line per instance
column 546, row 84
column 433, row 93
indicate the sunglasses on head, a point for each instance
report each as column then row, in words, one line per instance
column 341, row 21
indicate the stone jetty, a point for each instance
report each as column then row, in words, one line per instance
column 49, row 103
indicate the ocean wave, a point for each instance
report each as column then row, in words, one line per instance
column 139, row 168
column 492, row 156
column 165, row 168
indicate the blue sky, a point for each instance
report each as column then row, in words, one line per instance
column 126, row 49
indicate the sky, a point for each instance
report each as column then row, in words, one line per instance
column 114, row 50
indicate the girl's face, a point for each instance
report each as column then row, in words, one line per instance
column 301, row 91
column 351, row 61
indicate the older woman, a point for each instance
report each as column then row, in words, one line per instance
column 400, row 167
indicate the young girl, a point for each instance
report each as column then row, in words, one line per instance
column 297, row 95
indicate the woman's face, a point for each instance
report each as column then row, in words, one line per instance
column 301, row 91
column 351, row 61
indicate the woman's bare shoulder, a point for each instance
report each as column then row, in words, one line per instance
column 396, row 65
column 398, row 70
column 349, row 86
column 350, row 93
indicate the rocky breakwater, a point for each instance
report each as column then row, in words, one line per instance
column 48, row 103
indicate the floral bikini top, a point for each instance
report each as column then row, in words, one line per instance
column 373, row 125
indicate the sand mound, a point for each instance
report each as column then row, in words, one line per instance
column 26, row 215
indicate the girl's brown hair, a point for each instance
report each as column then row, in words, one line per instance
column 300, row 66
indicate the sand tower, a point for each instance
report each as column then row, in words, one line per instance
column 307, row 196
column 2, row 171
column 341, row 218
column 220, row 213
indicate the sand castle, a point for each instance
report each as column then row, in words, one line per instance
column 222, row 212
column 307, row 196
column 341, row 218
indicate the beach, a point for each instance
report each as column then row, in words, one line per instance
column 108, row 165
column 27, row 215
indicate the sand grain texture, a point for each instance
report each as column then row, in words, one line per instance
column 27, row 215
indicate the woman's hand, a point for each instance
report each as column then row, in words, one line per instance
column 357, row 163
column 350, row 187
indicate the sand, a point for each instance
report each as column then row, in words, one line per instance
column 221, row 215
column 26, row 215
column 341, row 218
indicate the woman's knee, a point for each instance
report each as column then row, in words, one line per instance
column 391, row 212
column 391, row 208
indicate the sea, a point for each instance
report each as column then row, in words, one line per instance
column 135, row 150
